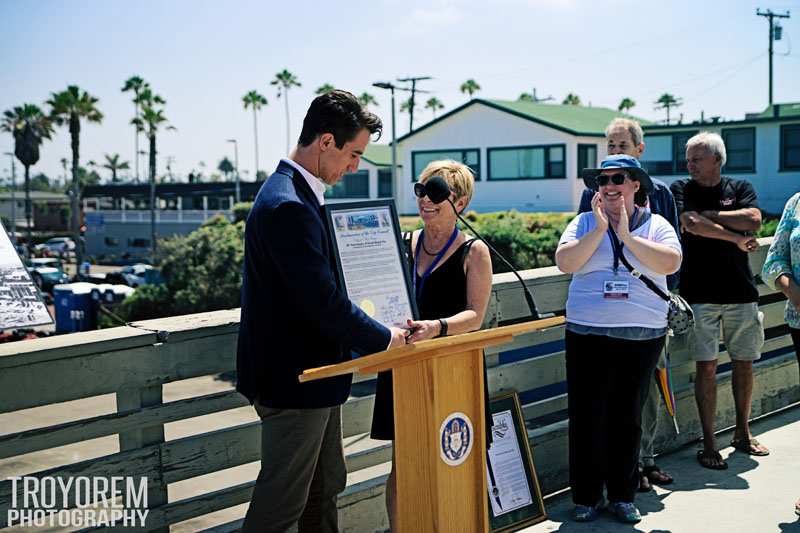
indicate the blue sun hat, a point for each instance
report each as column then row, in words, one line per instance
column 621, row 161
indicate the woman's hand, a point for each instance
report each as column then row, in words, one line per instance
column 622, row 230
column 422, row 330
column 600, row 218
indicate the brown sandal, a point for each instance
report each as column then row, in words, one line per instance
column 750, row 446
column 657, row 476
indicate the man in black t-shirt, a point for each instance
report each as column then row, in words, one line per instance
column 718, row 216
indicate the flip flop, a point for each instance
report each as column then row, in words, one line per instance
column 705, row 457
column 656, row 475
column 749, row 446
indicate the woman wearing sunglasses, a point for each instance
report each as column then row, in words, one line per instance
column 452, row 280
column 616, row 328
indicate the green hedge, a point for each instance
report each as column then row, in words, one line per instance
column 527, row 240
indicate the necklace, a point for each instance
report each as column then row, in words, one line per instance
column 426, row 250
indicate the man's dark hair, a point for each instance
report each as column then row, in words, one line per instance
column 341, row 114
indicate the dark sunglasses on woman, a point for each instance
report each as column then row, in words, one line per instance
column 617, row 179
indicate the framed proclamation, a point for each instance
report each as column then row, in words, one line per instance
column 21, row 304
column 515, row 499
column 370, row 259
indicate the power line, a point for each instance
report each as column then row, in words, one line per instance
column 414, row 90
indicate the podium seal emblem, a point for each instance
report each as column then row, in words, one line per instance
column 455, row 439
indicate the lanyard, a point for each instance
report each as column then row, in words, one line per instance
column 616, row 245
column 418, row 287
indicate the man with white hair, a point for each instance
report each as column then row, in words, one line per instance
column 718, row 217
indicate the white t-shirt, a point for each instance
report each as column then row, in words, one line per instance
column 586, row 304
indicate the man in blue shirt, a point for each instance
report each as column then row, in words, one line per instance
column 625, row 136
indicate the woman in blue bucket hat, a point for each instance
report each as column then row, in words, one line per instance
column 616, row 327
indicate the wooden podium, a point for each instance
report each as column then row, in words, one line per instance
column 440, row 432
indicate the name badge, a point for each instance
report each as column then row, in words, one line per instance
column 615, row 289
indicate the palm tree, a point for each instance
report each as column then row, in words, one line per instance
column 226, row 167
column 285, row 80
column 434, row 104
column 668, row 101
column 135, row 84
column 256, row 101
column 405, row 106
column 69, row 107
column 29, row 126
column 325, row 88
column 525, row 97
column 572, row 99
column 367, row 99
column 150, row 119
column 470, row 87
column 114, row 164
column 625, row 105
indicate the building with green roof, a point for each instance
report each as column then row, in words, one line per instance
column 528, row 156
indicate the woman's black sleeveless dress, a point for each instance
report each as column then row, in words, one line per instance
column 444, row 294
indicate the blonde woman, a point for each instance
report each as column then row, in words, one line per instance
column 452, row 282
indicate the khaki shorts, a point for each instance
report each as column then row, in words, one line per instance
column 742, row 328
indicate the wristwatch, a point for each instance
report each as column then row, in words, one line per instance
column 442, row 327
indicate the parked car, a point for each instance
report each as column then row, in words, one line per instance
column 136, row 275
column 56, row 246
column 47, row 272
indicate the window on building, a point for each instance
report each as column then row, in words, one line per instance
column 470, row 157
column 657, row 156
column 740, row 145
column 679, row 141
column 385, row 185
column 526, row 162
column 354, row 185
column 790, row 147
column 587, row 157
column 112, row 241
column 665, row 154
column 139, row 243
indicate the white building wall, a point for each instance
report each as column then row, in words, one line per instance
column 373, row 177
column 772, row 186
column 600, row 143
column 484, row 127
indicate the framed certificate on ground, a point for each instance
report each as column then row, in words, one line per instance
column 370, row 259
column 515, row 499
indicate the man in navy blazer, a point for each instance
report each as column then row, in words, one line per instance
column 295, row 317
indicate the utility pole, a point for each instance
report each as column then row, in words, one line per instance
column 775, row 31
column 236, row 167
column 413, row 80
column 170, row 160
column 390, row 87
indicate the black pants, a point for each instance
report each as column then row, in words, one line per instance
column 796, row 339
column 607, row 384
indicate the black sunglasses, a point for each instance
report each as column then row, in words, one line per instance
column 603, row 179
column 419, row 190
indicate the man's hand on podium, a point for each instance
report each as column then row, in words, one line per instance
column 398, row 337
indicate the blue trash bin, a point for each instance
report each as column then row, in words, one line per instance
column 75, row 309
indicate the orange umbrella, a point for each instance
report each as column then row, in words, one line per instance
column 664, row 377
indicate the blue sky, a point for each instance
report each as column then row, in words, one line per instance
column 203, row 56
